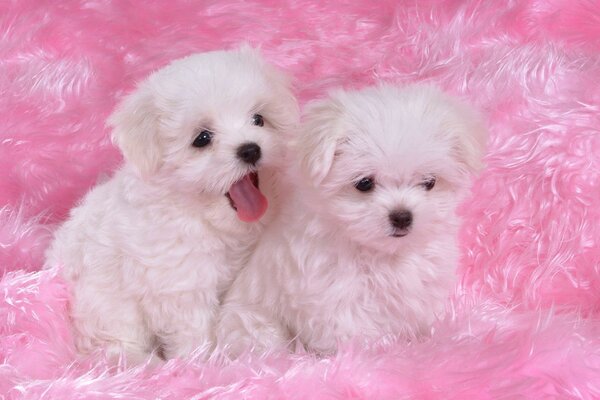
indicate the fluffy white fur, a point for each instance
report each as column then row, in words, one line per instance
column 149, row 253
column 331, row 266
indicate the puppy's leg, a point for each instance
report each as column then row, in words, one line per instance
column 104, row 320
column 246, row 323
column 189, row 325
column 249, row 328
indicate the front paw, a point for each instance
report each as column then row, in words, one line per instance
column 184, row 346
column 249, row 332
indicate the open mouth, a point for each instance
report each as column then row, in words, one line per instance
column 246, row 198
column 399, row 234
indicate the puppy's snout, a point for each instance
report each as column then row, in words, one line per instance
column 249, row 153
column 401, row 219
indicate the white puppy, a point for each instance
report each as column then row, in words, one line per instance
column 149, row 253
column 365, row 245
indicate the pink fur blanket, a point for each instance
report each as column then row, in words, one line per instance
column 524, row 322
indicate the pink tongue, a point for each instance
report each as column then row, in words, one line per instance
column 249, row 202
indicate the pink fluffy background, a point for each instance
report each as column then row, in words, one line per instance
column 525, row 320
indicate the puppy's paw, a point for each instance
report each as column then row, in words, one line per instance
column 185, row 346
column 131, row 356
column 242, row 330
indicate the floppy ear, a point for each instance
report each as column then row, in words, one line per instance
column 135, row 125
column 318, row 139
column 470, row 138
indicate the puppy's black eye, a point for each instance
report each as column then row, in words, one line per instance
column 258, row 120
column 428, row 183
column 203, row 139
column 365, row 184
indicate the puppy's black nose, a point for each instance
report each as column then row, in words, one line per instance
column 401, row 219
column 249, row 153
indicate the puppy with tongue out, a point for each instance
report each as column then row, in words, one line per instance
column 244, row 195
column 149, row 254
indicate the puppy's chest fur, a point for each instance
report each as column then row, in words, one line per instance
column 184, row 253
column 346, row 292
column 152, row 244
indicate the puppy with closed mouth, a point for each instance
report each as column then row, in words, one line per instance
column 148, row 254
column 365, row 245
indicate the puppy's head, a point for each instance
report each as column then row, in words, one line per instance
column 390, row 164
column 207, row 124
